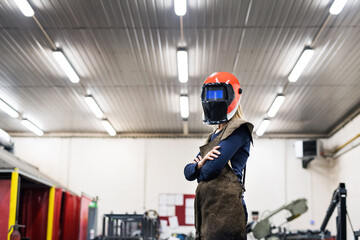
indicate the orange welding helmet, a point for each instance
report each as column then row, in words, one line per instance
column 220, row 97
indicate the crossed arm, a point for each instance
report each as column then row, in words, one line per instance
column 210, row 166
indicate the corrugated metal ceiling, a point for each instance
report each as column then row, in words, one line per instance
column 125, row 54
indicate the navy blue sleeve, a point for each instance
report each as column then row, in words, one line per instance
column 191, row 172
column 228, row 147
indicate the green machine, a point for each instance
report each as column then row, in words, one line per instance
column 262, row 229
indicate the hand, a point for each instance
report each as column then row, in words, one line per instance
column 209, row 156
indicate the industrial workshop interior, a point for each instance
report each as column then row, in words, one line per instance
column 179, row 119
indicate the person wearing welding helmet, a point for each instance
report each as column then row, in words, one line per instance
column 220, row 210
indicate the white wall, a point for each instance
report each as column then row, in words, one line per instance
column 129, row 174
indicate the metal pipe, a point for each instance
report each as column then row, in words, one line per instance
column 330, row 211
column 338, row 155
column 320, row 31
column 345, row 144
column 45, row 33
column 185, row 127
column 181, row 30
column 105, row 135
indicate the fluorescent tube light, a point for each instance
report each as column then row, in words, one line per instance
column 337, row 7
column 180, row 7
column 182, row 64
column 65, row 65
column 94, row 106
column 111, row 131
column 263, row 126
column 276, row 105
column 184, row 106
column 8, row 109
column 25, row 8
column 32, row 127
column 301, row 64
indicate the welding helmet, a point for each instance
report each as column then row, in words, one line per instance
column 220, row 97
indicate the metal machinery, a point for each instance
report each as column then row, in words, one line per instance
column 263, row 228
column 30, row 198
column 338, row 200
column 131, row 226
column 357, row 235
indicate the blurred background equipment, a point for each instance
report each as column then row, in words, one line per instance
column 308, row 150
column 263, row 228
column 131, row 226
column 47, row 209
column 15, row 235
column 92, row 219
column 338, row 200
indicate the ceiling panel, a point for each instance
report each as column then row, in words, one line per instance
column 52, row 108
column 125, row 54
column 310, row 109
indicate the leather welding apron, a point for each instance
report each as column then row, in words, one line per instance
column 219, row 212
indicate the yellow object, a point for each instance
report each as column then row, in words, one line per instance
column 13, row 199
column 347, row 143
column 50, row 213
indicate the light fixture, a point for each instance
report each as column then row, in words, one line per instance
column 25, row 8
column 276, row 105
column 111, row 131
column 5, row 138
column 182, row 65
column 65, row 65
column 263, row 126
column 180, row 7
column 301, row 64
column 337, row 7
column 184, row 107
column 32, row 127
column 94, row 106
column 8, row 109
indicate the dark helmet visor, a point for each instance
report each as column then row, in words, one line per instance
column 215, row 99
column 216, row 92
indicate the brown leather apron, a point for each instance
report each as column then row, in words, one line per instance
column 219, row 212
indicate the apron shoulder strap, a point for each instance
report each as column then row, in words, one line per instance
column 243, row 180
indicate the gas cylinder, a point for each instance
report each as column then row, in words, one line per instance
column 15, row 235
